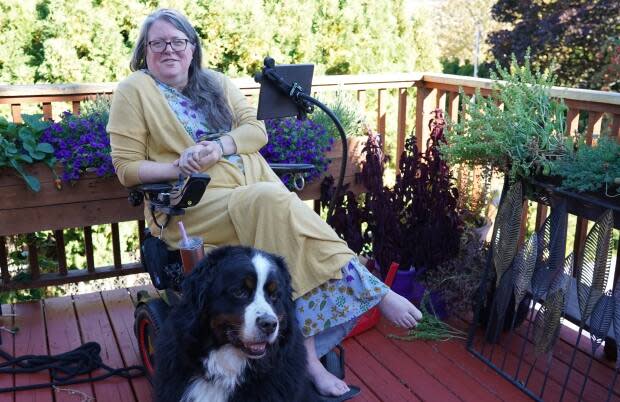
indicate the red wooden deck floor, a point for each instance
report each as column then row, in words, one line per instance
column 386, row 369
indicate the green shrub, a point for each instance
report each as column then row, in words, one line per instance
column 523, row 137
column 590, row 168
column 348, row 112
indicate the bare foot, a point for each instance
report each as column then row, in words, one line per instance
column 325, row 382
column 399, row 310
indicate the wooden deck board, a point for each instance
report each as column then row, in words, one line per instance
column 63, row 334
column 31, row 340
column 7, row 380
column 120, row 309
column 96, row 327
column 387, row 370
column 406, row 366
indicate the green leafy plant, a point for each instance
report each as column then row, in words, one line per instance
column 430, row 327
column 20, row 145
column 348, row 112
column 591, row 168
column 518, row 129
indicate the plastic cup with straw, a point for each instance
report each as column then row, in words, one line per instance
column 191, row 248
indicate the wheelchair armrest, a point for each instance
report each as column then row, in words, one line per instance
column 167, row 197
column 291, row 168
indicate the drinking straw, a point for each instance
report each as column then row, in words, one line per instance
column 183, row 234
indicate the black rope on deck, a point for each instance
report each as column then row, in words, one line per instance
column 64, row 367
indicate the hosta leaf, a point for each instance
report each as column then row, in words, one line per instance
column 35, row 121
column 45, row 147
column 593, row 264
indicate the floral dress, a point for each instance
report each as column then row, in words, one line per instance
column 192, row 119
column 329, row 311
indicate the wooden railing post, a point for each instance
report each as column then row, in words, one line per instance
column 4, row 263
column 60, row 252
column 425, row 103
column 615, row 127
column 381, row 106
column 401, row 130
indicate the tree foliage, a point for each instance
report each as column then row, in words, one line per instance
column 564, row 33
column 458, row 21
column 58, row 41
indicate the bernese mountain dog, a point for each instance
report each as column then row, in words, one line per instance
column 233, row 336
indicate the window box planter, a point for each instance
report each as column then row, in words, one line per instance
column 91, row 200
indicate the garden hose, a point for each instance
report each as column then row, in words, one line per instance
column 64, row 367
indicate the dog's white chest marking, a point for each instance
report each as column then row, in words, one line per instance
column 223, row 371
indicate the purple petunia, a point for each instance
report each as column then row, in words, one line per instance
column 297, row 141
column 80, row 143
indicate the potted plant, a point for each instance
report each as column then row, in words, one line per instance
column 591, row 168
column 517, row 130
column 316, row 141
column 297, row 141
column 85, row 188
column 415, row 223
column 21, row 144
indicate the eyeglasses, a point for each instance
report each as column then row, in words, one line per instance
column 177, row 45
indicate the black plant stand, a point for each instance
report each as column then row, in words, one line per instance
column 493, row 350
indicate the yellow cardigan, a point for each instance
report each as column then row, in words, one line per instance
column 237, row 208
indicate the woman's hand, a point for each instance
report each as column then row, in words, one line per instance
column 199, row 157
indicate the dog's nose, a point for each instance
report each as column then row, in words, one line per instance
column 267, row 323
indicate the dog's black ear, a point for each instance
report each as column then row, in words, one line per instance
column 196, row 285
column 283, row 271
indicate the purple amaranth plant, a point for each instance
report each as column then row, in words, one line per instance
column 81, row 145
column 415, row 223
column 297, row 141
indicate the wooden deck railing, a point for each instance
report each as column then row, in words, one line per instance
column 390, row 94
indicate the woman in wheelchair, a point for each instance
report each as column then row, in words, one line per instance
column 171, row 117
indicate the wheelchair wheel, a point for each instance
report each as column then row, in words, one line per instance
column 149, row 318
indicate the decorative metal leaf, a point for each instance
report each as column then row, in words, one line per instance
column 506, row 230
column 551, row 250
column 548, row 322
column 593, row 264
column 524, row 268
column 503, row 293
column 557, row 244
column 617, row 324
column 561, row 281
column 601, row 318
